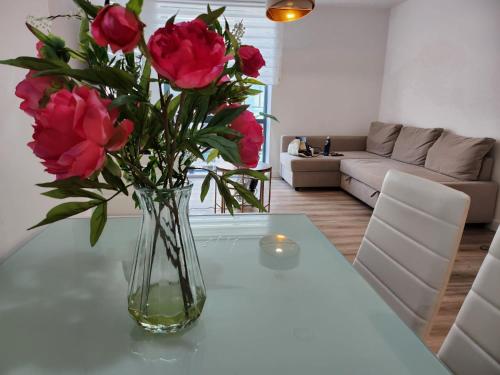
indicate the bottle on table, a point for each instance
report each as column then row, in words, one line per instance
column 328, row 145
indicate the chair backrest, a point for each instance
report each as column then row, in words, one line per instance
column 410, row 245
column 473, row 343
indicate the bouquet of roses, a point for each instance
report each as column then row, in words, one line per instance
column 97, row 128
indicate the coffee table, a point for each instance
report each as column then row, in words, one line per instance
column 63, row 307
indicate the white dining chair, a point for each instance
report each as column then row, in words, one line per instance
column 410, row 245
column 472, row 346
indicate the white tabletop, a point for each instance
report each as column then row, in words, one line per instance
column 63, row 308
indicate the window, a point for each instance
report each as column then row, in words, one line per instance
column 259, row 32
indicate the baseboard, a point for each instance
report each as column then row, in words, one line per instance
column 494, row 225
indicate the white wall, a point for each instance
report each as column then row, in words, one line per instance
column 443, row 67
column 332, row 70
column 21, row 205
column 21, row 202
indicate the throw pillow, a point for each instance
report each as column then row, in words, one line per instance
column 413, row 144
column 457, row 156
column 381, row 138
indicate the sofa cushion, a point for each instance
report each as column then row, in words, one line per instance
column 322, row 163
column 381, row 138
column 358, row 155
column 413, row 143
column 457, row 156
column 372, row 171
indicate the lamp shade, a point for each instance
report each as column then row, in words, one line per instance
column 288, row 10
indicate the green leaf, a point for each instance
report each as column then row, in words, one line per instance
column 65, row 210
column 136, row 200
column 54, row 47
column 185, row 113
column 211, row 16
column 114, row 180
column 39, row 35
column 223, row 129
column 201, row 110
column 226, row 116
column 212, row 155
column 73, row 182
column 124, row 100
column 205, row 186
column 146, row 77
column 98, row 222
column 253, row 81
column 87, row 7
column 100, row 75
column 113, row 167
column 266, row 115
column 173, row 105
column 226, row 195
column 71, row 193
column 193, row 148
column 135, row 6
column 171, row 20
column 227, row 148
column 233, row 43
column 33, row 63
column 247, row 172
column 247, row 195
column 252, row 92
column 218, row 28
column 84, row 36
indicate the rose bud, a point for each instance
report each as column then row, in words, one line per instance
column 117, row 27
column 251, row 60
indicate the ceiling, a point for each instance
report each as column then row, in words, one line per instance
column 372, row 3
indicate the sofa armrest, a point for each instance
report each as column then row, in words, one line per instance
column 285, row 141
column 339, row 142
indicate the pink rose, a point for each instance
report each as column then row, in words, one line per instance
column 223, row 79
column 39, row 45
column 251, row 60
column 249, row 146
column 74, row 130
column 117, row 27
column 32, row 90
column 188, row 54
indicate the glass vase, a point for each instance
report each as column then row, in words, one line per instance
column 166, row 288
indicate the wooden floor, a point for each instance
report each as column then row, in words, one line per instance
column 343, row 219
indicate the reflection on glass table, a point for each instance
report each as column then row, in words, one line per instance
column 63, row 307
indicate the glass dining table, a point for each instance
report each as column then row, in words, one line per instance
column 63, row 307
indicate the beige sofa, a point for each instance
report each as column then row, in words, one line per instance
column 361, row 173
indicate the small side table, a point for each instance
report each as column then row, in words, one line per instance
column 224, row 167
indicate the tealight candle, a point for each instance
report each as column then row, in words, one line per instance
column 278, row 252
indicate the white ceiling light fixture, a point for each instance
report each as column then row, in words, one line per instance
column 288, row 10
